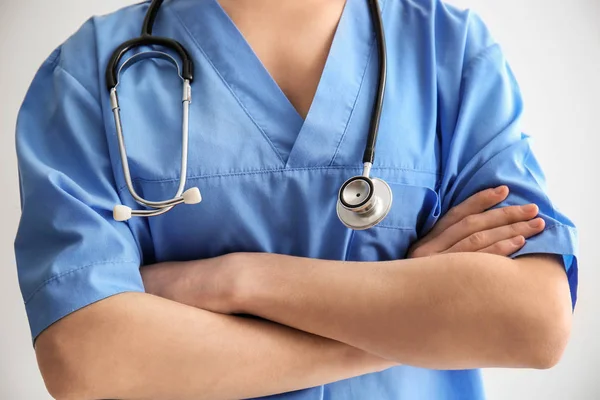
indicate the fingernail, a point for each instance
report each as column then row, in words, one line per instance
column 536, row 223
column 519, row 240
column 500, row 189
column 529, row 208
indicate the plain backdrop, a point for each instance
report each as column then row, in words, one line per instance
column 554, row 49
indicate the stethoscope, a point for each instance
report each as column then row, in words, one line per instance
column 363, row 201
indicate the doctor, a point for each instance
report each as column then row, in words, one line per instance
column 260, row 289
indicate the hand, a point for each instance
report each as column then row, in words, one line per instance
column 468, row 227
column 208, row 284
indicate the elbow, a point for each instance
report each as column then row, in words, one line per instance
column 547, row 343
column 549, row 350
column 543, row 323
column 59, row 367
column 58, row 393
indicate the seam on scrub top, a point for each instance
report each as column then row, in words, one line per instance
column 572, row 252
column 71, row 271
column 266, row 171
column 227, row 85
column 473, row 162
column 54, row 57
column 532, row 176
column 114, row 161
column 100, row 110
column 398, row 228
column 480, row 57
column 349, row 246
column 556, row 226
column 362, row 81
column 82, row 86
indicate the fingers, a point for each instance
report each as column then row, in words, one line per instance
column 505, row 247
column 485, row 239
column 475, row 204
column 482, row 222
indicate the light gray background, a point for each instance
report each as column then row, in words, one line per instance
column 554, row 48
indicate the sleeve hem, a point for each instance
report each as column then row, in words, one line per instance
column 71, row 271
column 66, row 293
column 556, row 239
column 561, row 240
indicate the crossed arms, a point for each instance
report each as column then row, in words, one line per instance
column 457, row 302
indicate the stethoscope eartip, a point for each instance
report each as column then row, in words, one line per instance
column 192, row 196
column 121, row 213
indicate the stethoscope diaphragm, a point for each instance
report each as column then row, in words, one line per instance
column 363, row 202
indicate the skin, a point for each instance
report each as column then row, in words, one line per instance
column 139, row 346
column 139, row 338
column 448, row 309
column 181, row 340
column 296, row 54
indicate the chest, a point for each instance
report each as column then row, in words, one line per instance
column 270, row 178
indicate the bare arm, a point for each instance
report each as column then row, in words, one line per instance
column 139, row 346
column 441, row 311
column 449, row 311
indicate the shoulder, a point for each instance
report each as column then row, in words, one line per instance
column 84, row 53
column 451, row 32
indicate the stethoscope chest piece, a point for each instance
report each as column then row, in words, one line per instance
column 363, row 202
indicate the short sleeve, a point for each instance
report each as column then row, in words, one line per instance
column 69, row 251
column 487, row 149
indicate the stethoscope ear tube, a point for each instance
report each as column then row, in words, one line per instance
column 112, row 69
column 186, row 73
column 146, row 39
column 193, row 195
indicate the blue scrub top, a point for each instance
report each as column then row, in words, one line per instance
column 450, row 127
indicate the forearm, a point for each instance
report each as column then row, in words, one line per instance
column 451, row 311
column 138, row 346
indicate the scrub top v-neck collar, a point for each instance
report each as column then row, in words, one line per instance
column 310, row 142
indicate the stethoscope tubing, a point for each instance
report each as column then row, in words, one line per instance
column 146, row 38
column 125, row 163
column 369, row 154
